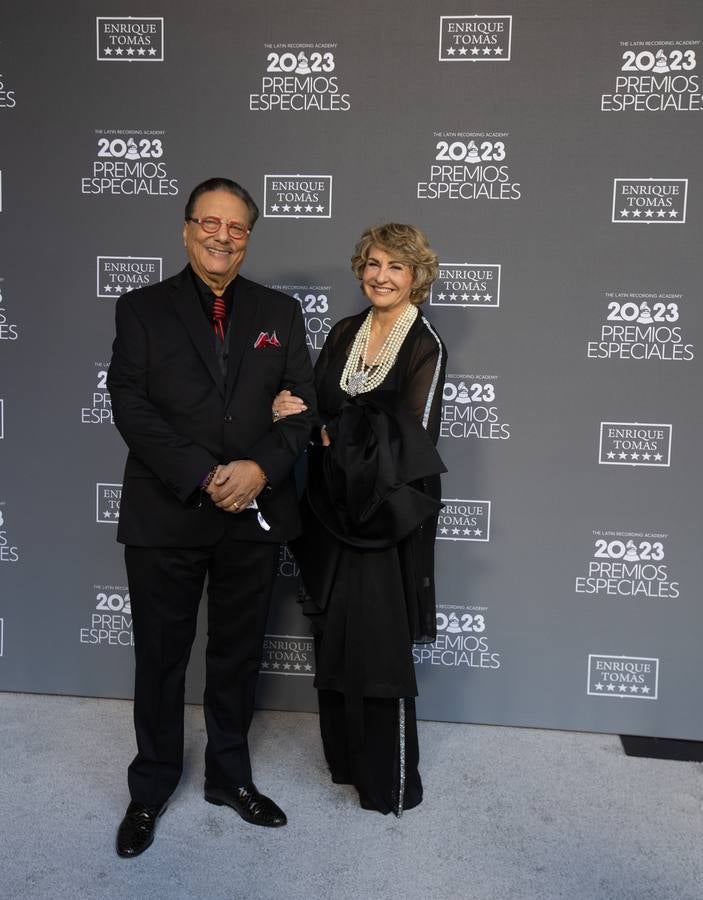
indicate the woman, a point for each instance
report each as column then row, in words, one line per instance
column 369, row 517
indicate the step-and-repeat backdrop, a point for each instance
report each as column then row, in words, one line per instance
column 552, row 151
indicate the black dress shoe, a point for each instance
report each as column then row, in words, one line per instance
column 252, row 806
column 136, row 831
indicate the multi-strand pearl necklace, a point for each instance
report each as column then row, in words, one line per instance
column 357, row 378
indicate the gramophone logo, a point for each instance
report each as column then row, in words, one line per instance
column 475, row 38
column 628, row 565
column 642, row 326
column 470, row 409
column 651, row 79
column 130, row 39
column 300, row 78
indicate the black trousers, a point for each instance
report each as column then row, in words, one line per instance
column 371, row 742
column 165, row 586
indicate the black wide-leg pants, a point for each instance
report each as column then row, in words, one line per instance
column 371, row 742
column 165, row 586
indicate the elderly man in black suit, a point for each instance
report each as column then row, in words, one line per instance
column 208, row 491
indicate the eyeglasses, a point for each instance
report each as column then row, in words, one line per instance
column 212, row 224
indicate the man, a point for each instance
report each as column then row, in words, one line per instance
column 208, row 491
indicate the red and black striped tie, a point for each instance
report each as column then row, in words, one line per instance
column 219, row 317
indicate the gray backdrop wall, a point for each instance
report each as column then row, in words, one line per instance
column 551, row 150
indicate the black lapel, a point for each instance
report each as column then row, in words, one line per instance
column 240, row 328
column 187, row 305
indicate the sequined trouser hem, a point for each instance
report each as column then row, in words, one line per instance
column 401, row 756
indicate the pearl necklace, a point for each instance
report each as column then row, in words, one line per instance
column 357, row 378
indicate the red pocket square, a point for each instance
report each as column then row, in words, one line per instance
column 266, row 340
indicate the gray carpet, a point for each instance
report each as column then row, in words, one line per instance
column 509, row 813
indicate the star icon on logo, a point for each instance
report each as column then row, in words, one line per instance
column 444, row 531
column 624, row 213
column 498, row 51
column 141, row 51
column 474, row 51
column 649, row 213
column 130, row 51
column 107, row 51
column 441, row 296
column 658, row 457
column 152, row 51
column 660, row 213
column 465, row 298
column 463, row 51
column 644, row 689
column 622, row 455
column 487, row 298
column 599, row 686
column 320, row 208
column 486, row 51
column 106, row 289
column 478, row 532
column 286, row 208
column 275, row 207
column 452, row 296
column 611, row 455
column 636, row 213
column 107, row 514
column 673, row 213
column 610, row 688
column 634, row 456
column 451, row 51
column 119, row 51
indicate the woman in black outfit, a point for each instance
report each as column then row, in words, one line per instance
column 369, row 516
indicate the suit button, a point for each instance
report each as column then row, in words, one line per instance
column 228, row 418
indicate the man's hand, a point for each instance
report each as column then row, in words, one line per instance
column 236, row 485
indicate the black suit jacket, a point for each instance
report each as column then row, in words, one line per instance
column 179, row 416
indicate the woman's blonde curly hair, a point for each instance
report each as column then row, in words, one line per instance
column 408, row 245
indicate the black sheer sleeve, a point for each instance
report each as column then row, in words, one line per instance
column 424, row 380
